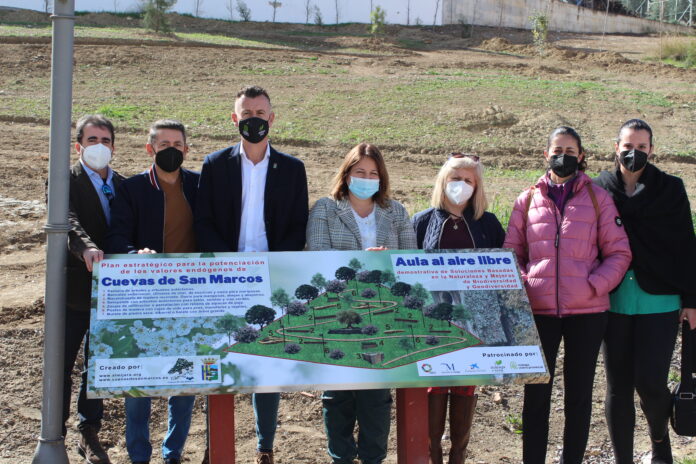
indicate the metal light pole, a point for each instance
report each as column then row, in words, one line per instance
column 51, row 446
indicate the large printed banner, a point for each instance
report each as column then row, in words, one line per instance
column 210, row 323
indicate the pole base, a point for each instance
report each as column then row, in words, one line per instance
column 50, row 452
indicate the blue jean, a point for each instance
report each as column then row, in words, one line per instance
column 89, row 412
column 372, row 410
column 138, row 427
column 266, row 415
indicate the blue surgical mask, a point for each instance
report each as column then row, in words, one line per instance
column 363, row 188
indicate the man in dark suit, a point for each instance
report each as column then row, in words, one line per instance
column 92, row 187
column 253, row 198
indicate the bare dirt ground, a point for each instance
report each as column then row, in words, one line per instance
column 300, row 438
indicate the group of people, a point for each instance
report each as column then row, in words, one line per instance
column 605, row 261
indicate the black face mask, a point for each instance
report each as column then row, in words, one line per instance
column 633, row 160
column 563, row 165
column 253, row 129
column 169, row 159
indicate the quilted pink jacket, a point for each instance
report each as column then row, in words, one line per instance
column 559, row 254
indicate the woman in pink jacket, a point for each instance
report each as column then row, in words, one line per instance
column 572, row 250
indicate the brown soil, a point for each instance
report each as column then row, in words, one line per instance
column 300, row 439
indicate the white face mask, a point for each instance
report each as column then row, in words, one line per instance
column 458, row 192
column 96, row 156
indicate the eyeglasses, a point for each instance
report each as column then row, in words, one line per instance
column 464, row 155
column 108, row 193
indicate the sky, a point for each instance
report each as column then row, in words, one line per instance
column 290, row 11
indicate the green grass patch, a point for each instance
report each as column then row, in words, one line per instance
column 412, row 43
column 502, row 209
column 679, row 51
column 120, row 112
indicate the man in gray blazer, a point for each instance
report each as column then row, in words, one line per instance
column 92, row 188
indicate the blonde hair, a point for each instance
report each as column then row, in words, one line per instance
column 339, row 186
column 478, row 199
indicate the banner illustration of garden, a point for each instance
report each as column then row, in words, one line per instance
column 213, row 323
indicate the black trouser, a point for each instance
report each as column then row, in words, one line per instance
column 90, row 412
column 582, row 336
column 637, row 354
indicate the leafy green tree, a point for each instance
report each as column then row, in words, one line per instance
column 460, row 313
column 419, row 292
column 377, row 21
column 260, row 314
column 401, row 289
column 229, row 323
column 318, row 281
column 306, row 292
column 388, row 278
column 348, row 317
column 405, row 344
column 355, row 264
column 280, row 298
column 345, row 273
column 440, row 311
column 155, row 14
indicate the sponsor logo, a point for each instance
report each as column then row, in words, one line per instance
column 427, row 368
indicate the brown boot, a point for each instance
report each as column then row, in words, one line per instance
column 264, row 457
column 461, row 416
column 89, row 447
column 437, row 413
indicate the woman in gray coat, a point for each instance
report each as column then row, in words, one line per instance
column 359, row 215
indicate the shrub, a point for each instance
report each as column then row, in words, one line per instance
column 155, row 15
column 335, row 286
column 296, row 308
column 246, row 334
column 431, row 340
column 336, row 354
column 292, row 348
column 368, row 293
column 413, row 302
column 369, row 330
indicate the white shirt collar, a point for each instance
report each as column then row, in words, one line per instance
column 266, row 155
column 92, row 173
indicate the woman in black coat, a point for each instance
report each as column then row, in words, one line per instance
column 658, row 290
